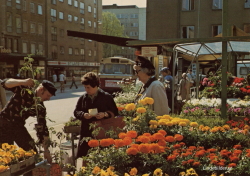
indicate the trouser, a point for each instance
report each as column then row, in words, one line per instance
column 73, row 83
column 169, row 96
column 62, row 86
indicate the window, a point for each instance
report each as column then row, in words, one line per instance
column 62, row 32
column 8, row 2
column 61, row 15
column 24, row 5
column 217, row 4
column 134, row 24
column 90, row 53
column 25, row 26
column 53, row 1
column 94, row 24
column 187, row 5
column 70, row 2
column 82, row 20
column 39, row 10
column 89, row 8
column 134, row 16
column 76, row 19
column 18, row 4
column 76, row 51
column 94, row 53
column 216, row 29
column 54, row 52
column 40, row 29
column 69, row 17
column 81, row 7
column 247, row 4
column 32, row 7
column 187, row 32
column 247, row 28
column 94, row 1
column 53, row 34
column 61, row 49
column 94, row 12
column 76, row 3
column 18, row 24
column 70, row 51
column 53, row 15
column 15, row 45
column 25, row 50
column 40, row 49
column 60, row 0
column 32, row 28
column 82, row 51
column 33, row 48
column 89, row 23
column 9, row 22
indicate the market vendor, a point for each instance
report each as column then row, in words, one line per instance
column 23, row 104
column 151, row 87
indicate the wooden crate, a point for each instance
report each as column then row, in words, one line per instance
column 5, row 173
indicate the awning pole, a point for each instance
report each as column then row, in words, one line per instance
column 224, row 61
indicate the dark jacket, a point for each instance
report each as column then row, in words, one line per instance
column 103, row 102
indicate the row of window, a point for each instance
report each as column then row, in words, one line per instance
column 130, row 24
column 70, row 2
column 188, row 5
column 119, row 16
column 188, row 31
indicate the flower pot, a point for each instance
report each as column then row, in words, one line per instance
column 72, row 129
column 5, row 173
column 55, row 170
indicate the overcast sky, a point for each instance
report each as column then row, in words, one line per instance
column 139, row 3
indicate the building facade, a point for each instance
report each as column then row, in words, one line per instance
column 193, row 18
column 134, row 21
column 40, row 28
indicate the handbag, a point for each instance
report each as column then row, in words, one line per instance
column 114, row 123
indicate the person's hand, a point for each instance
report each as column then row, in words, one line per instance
column 100, row 115
column 87, row 116
column 28, row 82
column 47, row 156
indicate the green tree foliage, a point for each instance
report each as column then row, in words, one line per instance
column 111, row 26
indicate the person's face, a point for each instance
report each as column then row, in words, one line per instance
column 138, row 72
column 163, row 73
column 44, row 94
column 90, row 90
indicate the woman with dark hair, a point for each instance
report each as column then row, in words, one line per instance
column 151, row 86
column 93, row 105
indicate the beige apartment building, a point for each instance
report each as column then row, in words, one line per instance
column 134, row 21
column 40, row 28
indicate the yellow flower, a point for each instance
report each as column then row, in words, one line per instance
column 183, row 124
column 133, row 171
column 153, row 122
column 182, row 174
column 157, row 172
column 193, row 124
column 226, row 127
column 143, row 102
column 166, row 117
column 169, row 123
column 149, row 100
column 130, row 107
column 145, row 175
column 96, row 170
column 135, row 119
column 141, row 110
column 126, row 174
column 158, row 117
column 153, row 126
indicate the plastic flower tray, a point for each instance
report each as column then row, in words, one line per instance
column 72, row 129
column 5, row 173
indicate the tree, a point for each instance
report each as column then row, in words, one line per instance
column 111, row 26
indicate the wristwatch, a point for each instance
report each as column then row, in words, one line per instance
column 106, row 114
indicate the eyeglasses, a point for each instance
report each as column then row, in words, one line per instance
column 137, row 71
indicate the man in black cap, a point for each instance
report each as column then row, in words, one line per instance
column 23, row 104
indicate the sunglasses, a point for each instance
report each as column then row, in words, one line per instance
column 137, row 71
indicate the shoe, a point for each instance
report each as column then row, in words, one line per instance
column 77, row 88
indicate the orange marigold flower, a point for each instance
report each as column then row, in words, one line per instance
column 162, row 143
column 154, row 147
column 146, row 134
column 193, row 124
column 106, row 142
column 190, row 161
column 214, row 162
column 140, row 110
column 220, row 164
column 158, row 136
column 132, row 134
column 183, row 124
column 120, row 108
column 93, row 143
column 144, row 148
column 232, row 165
column 176, row 146
column 212, row 150
column 122, row 135
column 163, row 132
column 237, row 152
column 184, row 163
column 171, row 157
column 134, row 146
column 234, row 159
column 182, row 143
column 133, row 171
column 152, row 139
column 192, row 147
column 149, row 100
column 119, row 143
column 237, row 146
column 132, row 151
column 127, row 141
column 170, row 139
column 96, row 170
column 143, row 139
column 196, row 163
column 178, row 137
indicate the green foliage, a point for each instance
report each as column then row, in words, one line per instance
column 73, row 122
column 111, row 26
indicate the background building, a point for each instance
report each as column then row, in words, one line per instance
column 134, row 21
column 40, row 28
